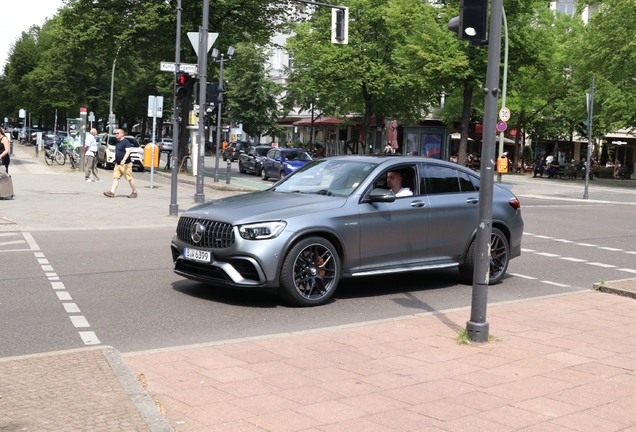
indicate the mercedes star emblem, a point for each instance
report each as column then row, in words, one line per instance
column 196, row 232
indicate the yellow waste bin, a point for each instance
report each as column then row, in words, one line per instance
column 148, row 155
column 502, row 163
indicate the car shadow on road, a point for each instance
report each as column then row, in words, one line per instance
column 228, row 296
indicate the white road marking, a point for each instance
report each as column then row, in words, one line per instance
column 47, row 268
column 9, row 234
column 631, row 252
column 564, row 241
column 79, row 321
column 572, row 259
column 527, row 250
column 627, row 270
column 71, row 308
column 543, row 237
column 601, row 265
column 556, row 284
column 38, row 254
column 89, row 338
column 31, row 241
column 12, row 242
column 43, row 261
column 63, row 295
column 586, row 244
column 610, row 249
column 547, row 254
column 522, row 276
column 57, row 285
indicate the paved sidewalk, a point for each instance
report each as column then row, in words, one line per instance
column 562, row 363
column 558, row 363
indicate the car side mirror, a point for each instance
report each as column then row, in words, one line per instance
column 382, row 195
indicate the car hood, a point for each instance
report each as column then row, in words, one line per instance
column 296, row 164
column 265, row 205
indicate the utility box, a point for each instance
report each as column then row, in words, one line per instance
column 148, row 155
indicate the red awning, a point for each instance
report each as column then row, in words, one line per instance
column 320, row 121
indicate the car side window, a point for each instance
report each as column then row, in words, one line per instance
column 408, row 178
column 440, row 179
column 464, row 182
column 270, row 154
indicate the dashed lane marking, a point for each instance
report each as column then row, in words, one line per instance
column 78, row 321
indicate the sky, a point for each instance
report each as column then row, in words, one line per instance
column 18, row 16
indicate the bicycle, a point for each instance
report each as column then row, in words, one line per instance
column 71, row 151
column 53, row 153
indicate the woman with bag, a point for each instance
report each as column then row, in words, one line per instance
column 5, row 146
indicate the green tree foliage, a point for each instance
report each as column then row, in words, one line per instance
column 252, row 99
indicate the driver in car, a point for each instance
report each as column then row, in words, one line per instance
column 394, row 182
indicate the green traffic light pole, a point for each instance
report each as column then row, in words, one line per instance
column 590, row 113
column 504, row 85
column 477, row 328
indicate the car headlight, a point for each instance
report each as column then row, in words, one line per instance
column 288, row 166
column 262, row 231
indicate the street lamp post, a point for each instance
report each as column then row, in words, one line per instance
column 112, row 86
column 215, row 55
column 174, row 206
column 199, row 195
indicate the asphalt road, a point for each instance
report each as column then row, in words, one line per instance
column 129, row 297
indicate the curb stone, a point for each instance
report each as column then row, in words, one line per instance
column 621, row 287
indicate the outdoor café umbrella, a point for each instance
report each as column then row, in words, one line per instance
column 392, row 138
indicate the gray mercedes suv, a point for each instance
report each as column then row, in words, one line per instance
column 338, row 217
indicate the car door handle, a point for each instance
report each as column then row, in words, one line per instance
column 418, row 204
column 472, row 200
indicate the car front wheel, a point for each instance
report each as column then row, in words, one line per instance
column 499, row 258
column 263, row 174
column 241, row 169
column 310, row 272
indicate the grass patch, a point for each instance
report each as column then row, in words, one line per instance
column 463, row 338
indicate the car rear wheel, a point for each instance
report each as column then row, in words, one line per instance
column 282, row 174
column 263, row 174
column 310, row 272
column 499, row 258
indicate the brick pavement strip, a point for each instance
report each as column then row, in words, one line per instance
column 88, row 389
column 563, row 362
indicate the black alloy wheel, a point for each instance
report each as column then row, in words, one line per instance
column 499, row 259
column 310, row 272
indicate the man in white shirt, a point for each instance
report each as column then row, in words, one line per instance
column 394, row 182
column 90, row 161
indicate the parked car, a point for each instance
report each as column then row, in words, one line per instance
column 335, row 218
column 165, row 145
column 234, row 150
column 252, row 159
column 280, row 162
column 106, row 152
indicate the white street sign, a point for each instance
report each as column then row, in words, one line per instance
column 22, row 114
column 155, row 106
column 194, row 40
column 504, row 114
column 192, row 69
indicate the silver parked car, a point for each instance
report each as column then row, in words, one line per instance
column 337, row 217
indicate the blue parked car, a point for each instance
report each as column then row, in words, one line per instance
column 281, row 162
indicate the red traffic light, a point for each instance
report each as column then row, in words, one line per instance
column 182, row 89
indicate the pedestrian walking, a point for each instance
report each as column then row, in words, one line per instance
column 5, row 147
column 123, row 165
column 90, row 159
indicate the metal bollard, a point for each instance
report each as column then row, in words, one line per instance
column 229, row 170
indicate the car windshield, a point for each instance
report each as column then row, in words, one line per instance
column 333, row 177
column 297, row 155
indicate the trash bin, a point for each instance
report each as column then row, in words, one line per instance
column 148, row 150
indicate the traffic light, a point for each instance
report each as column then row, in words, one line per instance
column 215, row 94
column 340, row 26
column 181, row 86
column 472, row 23
column 584, row 128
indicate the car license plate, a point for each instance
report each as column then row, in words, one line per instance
column 197, row 255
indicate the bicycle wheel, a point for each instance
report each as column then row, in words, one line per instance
column 47, row 158
column 60, row 158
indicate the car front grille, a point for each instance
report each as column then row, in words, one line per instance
column 217, row 235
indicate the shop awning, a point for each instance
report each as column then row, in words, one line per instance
column 320, row 121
